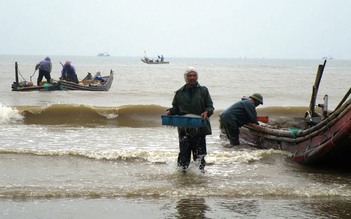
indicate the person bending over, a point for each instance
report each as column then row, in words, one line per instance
column 238, row 114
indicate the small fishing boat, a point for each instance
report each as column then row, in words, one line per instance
column 324, row 139
column 89, row 83
column 150, row 61
column 159, row 60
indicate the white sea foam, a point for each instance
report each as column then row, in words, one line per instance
column 8, row 114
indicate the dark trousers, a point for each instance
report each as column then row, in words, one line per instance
column 232, row 132
column 189, row 143
column 43, row 74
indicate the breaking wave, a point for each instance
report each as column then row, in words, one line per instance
column 125, row 116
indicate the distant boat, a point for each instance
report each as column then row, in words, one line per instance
column 150, row 61
column 89, row 83
column 159, row 60
column 103, row 54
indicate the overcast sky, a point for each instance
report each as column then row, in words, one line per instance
column 307, row 29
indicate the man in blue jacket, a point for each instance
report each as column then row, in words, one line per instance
column 192, row 98
column 44, row 70
column 240, row 113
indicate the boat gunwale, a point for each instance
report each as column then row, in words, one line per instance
column 287, row 136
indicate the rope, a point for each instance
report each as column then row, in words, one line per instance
column 21, row 75
column 294, row 132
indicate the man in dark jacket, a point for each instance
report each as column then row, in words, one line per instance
column 44, row 70
column 192, row 98
column 238, row 114
column 69, row 72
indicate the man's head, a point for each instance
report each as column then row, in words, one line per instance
column 257, row 98
column 191, row 76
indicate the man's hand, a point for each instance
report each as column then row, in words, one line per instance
column 204, row 115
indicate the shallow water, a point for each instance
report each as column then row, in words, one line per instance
column 73, row 154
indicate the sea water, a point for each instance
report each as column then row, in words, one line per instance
column 80, row 154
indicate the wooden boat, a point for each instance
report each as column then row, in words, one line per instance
column 151, row 61
column 27, row 86
column 324, row 139
column 89, row 83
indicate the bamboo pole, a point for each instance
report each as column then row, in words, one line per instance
column 16, row 72
column 316, row 87
column 343, row 99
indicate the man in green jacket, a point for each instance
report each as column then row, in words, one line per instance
column 192, row 98
column 238, row 114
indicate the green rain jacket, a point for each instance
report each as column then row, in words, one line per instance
column 194, row 100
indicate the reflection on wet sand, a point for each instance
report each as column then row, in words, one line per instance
column 191, row 208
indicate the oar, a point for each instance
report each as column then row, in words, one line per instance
column 62, row 67
column 32, row 75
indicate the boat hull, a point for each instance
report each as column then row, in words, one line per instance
column 329, row 142
column 85, row 85
column 154, row 62
column 68, row 85
column 45, row 87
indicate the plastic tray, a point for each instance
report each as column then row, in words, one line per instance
column 183, row 121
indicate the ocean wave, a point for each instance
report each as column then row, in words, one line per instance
column 133, row 173
column 83, row 115
column 155, row 156
column 31, row 192
column 9, row 115
column 235, row 190
column 125, row 116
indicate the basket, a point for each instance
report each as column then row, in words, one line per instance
column 264, row 119
column 183, row 121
